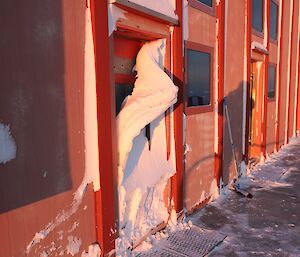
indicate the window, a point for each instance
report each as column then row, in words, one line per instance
column 122, row 91
column 198, row 78
column 271, row 80
column 207, row 2
column 273, row 20
column 257, row 15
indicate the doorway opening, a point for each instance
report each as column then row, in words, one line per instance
column 255, row 119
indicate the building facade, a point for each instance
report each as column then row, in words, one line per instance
column 213, row 86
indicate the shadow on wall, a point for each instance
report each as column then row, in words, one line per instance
column 235, row 109
column 32, row 101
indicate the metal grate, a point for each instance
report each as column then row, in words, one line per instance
column 190, row 242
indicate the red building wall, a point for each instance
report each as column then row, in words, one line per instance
column 42, row 75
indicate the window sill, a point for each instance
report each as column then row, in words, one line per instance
column 193, row 110
column 270, row 100
column 258, row 33
column 273, row 41
column 202, row 7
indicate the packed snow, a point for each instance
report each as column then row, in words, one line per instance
column 143, row 168
column 259, row 46
column 8, row 148
column 93, row 251
column 114, row 14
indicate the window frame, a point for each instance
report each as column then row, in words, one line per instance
column 254, row 31
column 272, row 99
column 272, row 40
column 190, row 110
column 203, row 7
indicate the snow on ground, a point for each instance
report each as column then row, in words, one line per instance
column 268, row 224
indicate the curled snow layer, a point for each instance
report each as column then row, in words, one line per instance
column 153, row 93
column 143, row 168
column 8, row 146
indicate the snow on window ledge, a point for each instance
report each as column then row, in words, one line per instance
column 258, row 47
column 160, row 10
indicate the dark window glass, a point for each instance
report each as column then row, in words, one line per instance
column 198, row 78
column 273, row 20
column 257, row 15
column 207, row 2
column 122, row 91
column 271, row 81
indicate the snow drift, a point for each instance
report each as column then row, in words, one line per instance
column 143, row 168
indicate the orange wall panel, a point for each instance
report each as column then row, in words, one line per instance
column 273, row 52
column 199, row 157
column 257, row 39
column 202, row 27
column 42, row 100
column 271, row 119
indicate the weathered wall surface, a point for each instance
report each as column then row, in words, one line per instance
column 42, row 76
column 234, row 76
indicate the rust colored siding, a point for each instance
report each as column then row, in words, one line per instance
column 271, row 118
column 271, row 104
column 200, row 160
column 234, row 70
column 42, row 76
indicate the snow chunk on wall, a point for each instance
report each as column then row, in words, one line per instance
column 259, row 46
column 73, row 246
column 8, row 148
column 94, row 251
